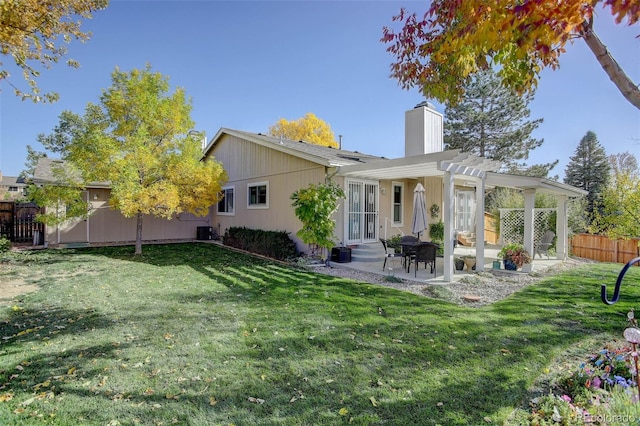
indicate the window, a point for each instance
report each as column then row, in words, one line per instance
column 226, row 204
column 397, row 189
column 465, row 210
column 13, row 189
column 258, row 195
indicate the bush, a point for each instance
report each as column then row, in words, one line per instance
column 436, row 231
column 5, row 245
column 274, row 244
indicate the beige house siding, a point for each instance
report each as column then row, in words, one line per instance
column 105, row 225
column 247, row 160
column 386, row 209
column 434, row 191
column 433, row 195
column 247, row 163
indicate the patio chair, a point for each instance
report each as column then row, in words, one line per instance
column 389, row 251
column 425, row 253
column 408, row 243
column 544, row 244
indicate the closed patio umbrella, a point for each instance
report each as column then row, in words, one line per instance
column 419, row 220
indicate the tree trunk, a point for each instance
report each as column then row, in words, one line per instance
column 138, row 234
column 617, row 75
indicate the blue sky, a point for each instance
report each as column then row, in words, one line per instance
column 247, row 64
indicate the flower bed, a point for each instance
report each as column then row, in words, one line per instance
column 600, row 391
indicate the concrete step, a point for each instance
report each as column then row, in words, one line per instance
column 367, row 253
column 468, row 240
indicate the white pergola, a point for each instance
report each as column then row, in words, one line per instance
column 470, row 170
column 529, row 186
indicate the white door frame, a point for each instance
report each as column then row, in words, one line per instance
column 362, row 211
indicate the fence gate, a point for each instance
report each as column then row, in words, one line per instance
column 18, row 222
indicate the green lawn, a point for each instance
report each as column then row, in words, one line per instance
column 195, row 334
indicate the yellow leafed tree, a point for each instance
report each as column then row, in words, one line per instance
column 308, row 128
column 35, row 33
column 138, row 140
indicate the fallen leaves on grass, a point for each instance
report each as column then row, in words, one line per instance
column 256, row 400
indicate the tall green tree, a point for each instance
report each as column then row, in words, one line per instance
column 618, row 214
column 34, row 33
column 137, row 139
column 492, row 121
column 588, row 168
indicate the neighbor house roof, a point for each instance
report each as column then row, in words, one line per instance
column 12, row 181
column 330, row 157
column 45, row 173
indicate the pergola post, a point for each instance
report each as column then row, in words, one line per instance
column 529, row 205
column 447, row 216
column 480, row 224
column 562, row 235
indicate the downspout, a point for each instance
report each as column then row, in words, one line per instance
column 328, row 178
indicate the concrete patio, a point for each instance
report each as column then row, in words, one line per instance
column 394, row 266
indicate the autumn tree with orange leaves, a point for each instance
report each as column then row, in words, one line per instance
column 455, row 39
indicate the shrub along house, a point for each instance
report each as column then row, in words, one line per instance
column 264, row 171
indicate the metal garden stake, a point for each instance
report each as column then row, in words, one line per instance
column 631, row 334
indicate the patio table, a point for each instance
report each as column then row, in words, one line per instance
column 409, row 250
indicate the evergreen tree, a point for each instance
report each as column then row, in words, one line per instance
column 589, row 168
column 493, row 122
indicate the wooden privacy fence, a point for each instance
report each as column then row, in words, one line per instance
column 490, row 228
column 18, row 222
column 603, row 249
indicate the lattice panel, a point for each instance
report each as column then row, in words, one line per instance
column 542, row 222
column 512, row 224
